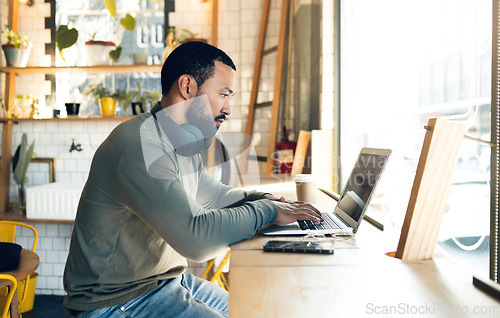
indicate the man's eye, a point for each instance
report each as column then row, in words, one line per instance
column 224, row 95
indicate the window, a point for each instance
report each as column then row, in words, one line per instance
column 91, row 19
column 403, row 62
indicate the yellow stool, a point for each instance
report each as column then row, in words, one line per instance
column 26, row 290
column 6, row 301
column 218, row 274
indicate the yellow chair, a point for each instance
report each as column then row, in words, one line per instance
column 5, row 301
column 218, row 275
column 8, row 234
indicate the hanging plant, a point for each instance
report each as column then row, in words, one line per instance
column 67, row 35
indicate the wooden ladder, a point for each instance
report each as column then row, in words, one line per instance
column 280, row 48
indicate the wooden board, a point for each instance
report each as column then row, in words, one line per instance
column 5, row 165
column 300, row 152
column 280, row 50
column 430, row 190
column 278, row 87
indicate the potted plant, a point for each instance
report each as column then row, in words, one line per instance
column 170, row 44
column 141, row 101
column 105, row 98
column 17, row 49
column 188, row 36
column 171, row 41
column 103, row 52
column 100, row 52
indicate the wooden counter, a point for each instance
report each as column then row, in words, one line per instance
column 9, row 216
column 358, row 280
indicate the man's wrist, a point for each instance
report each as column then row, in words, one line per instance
column 269, row 196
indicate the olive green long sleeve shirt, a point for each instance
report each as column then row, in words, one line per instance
column 144, row 211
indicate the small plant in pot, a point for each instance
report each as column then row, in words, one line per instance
column 103, row 96
column 17, row 49
column 102, row 52
column 142, row 101
column 105, row 48
column 188, row 36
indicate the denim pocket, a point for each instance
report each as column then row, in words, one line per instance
column 129, row 304
column 93, row 313
column 183, row 282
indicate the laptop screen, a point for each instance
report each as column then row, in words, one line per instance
column 361, row 184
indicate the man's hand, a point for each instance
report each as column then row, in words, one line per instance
column 273, row 198
column 291, row 212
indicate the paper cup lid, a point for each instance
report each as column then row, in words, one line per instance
column 304, row 178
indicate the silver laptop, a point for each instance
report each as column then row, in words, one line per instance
column 353, row 201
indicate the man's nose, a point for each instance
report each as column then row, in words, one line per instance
column 226, row 109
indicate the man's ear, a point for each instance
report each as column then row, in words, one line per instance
column 187, row 86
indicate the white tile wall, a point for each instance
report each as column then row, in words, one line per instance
column 53, row 139
column 3, row 15
column 52, row 248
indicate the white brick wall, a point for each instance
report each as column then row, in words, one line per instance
column 53, row 139
column 52, row 248
column 32, row 24
column 4, row 15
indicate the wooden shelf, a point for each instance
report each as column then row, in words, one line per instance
column 9, row 216
column 85, row 69
column 115, row 118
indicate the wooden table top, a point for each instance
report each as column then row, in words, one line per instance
column 27, row 265
column 359, row 280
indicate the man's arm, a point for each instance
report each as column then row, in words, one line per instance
column 163, row 204
column 213, row 194
column 220, row 195
column 157, row 197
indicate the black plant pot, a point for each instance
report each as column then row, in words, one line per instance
column 72, row 108
column 134, row 107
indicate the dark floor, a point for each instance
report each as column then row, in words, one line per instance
column 47, row 306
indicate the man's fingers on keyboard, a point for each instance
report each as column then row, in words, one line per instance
column 311, row 217
column 307, row 205
column 313, row 211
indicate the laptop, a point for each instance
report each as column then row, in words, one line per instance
column 353, row 201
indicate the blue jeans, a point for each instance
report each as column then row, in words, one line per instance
column 183, row 296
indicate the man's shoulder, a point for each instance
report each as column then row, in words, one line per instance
column 123, row 137
column 137, row 121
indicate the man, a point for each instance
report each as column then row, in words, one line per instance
column 149, row 205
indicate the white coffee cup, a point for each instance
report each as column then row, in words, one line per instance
column 306, row 188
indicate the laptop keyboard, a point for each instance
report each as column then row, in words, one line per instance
column 327, row 224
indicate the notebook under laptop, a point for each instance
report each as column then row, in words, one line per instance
column 353, row 202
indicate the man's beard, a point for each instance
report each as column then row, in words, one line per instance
column 200, row 115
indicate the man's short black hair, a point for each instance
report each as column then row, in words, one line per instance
column 196, row 59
